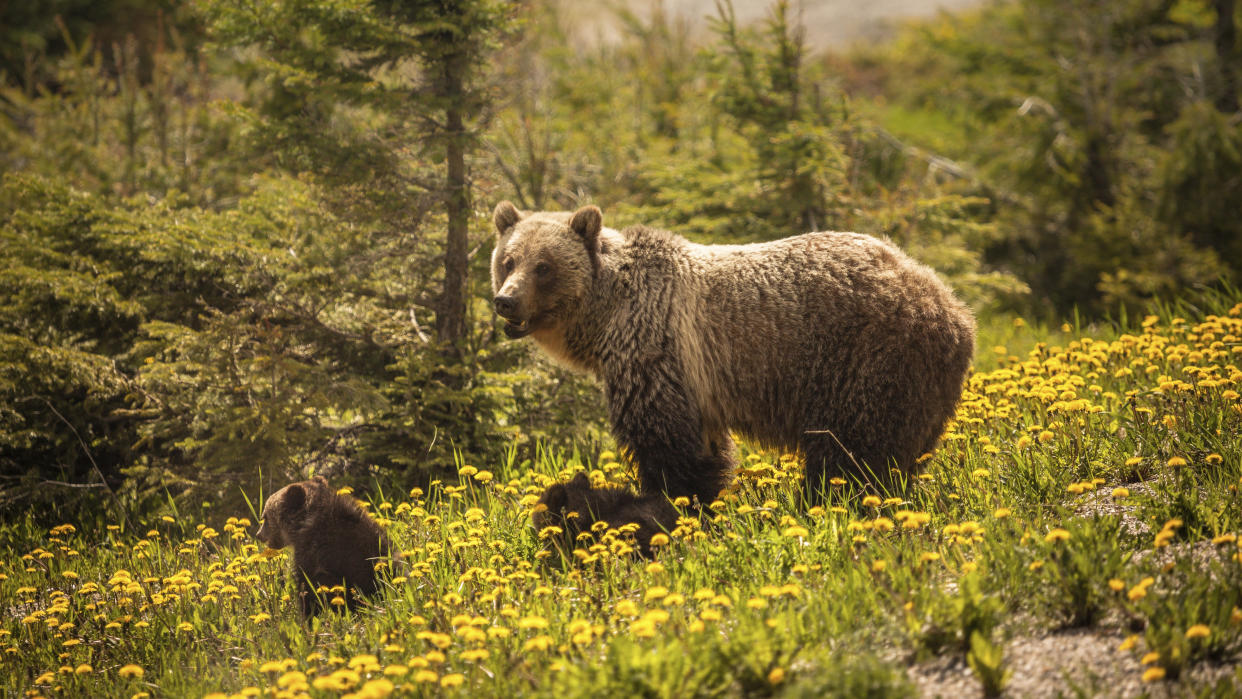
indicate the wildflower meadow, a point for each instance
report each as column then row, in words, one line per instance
column 1089, row 485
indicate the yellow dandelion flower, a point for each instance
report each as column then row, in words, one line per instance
column 1116, row 585
column 131, row 671
column 776, row 676
column 871, row 501
column 1002, row 512
column 1153, row 674
column 1198, row 631
column 425, row 676
column 643, row 628
column 1129, row 643
column 1120, row 493
column 452, row 680
column 532, row 622
column 659, row 539
column 1057, row 534
column 1150, row 658
column 1176, row 461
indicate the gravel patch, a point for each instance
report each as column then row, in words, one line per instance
column 1100, row 503
column 1076, row 662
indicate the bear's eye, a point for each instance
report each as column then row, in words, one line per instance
column 507, row 264
column 543, row 269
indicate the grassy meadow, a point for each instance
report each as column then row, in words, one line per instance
column 1089, row 485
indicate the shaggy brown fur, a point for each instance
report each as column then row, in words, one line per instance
column 834, row 344
column 334, row 541
column 576, row 507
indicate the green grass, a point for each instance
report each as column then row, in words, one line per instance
column 1081, row 462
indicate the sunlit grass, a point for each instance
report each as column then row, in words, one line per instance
column 1016, row 523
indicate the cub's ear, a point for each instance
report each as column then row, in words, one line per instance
column 555, row 498
column 505, row 216
column 580, row 482
column 586, row 222
column 295, row 497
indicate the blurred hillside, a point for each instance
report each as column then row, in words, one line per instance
column 829, row 24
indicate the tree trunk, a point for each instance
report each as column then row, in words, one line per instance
column 451, row 318
column 1226, row 35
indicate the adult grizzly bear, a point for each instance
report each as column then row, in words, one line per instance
column 834, row 344
column 334, row 541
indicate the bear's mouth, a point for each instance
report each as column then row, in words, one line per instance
column 517, row 330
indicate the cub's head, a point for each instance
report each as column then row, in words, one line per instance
column 286, row 510
column 566, row 505
column 542, row 265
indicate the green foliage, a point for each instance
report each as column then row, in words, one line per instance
column 1110, row 151
column 761, row 597
column 987, row 660
column 953, row 619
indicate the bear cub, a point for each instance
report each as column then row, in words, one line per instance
column 575, row 506
column 334, row 541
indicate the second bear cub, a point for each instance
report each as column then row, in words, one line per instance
column 575, row 506
column 334, row 541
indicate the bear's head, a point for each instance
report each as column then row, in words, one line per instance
column 566, row 505
column 286, row 511
column 542, row 266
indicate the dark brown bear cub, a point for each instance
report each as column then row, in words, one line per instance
column 334, row 541
column 575, row 506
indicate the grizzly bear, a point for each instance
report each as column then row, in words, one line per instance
column 836, row 345
column 334, row 541
column 575, row 507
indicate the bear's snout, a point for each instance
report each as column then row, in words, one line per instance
column 506, row 306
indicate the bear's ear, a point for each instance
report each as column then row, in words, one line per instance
column 555, row 498
column 586, row 222
column 580, row 482
column 505, row 216
column 295, row 498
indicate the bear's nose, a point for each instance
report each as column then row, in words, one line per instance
column 506, row 306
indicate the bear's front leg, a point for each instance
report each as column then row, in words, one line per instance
column 653, row 418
